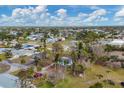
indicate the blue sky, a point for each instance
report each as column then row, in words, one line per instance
column 61, row 15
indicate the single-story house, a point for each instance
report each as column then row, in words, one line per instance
column 13, row 33
column 22, row 52
column 35, row 36
column 30, row 46
column 61, row 39
column 3, row 50
column 13, row 43
column 52, row 40
column 114, row 42
column 65, row 61
column 1, row 43
column 117, row 42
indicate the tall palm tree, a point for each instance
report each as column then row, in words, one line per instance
column 44, row 42
column 57, row 51
column 36, row 60
column 80, row 47
column 8, row 54
column 74, row 58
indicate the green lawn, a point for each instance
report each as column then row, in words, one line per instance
column 91, row 78
column 2, row 57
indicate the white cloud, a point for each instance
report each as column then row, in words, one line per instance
column 3, row 16
column 62, row 13
column 39, row 9
column 26, row 16
column 99, row 12
column 117, row 19
column 99, row 19
column 119, row 16
column 120, row 23
column 40, row 16
column 96, row 14
column 120, row 13
column 82, row 14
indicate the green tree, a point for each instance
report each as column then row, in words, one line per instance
column 37, row 61
column 74, row 59
column 57, row 49
column 18, row 46
column 44, row 44
column 23, row 61
column 108, row 48
column 97, row 85
column 79, row 69
column 80, row 47
column 30, row 71
column 8, row 54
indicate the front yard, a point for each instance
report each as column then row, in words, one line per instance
column 91, row 76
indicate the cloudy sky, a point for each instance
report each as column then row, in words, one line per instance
column 61, row 15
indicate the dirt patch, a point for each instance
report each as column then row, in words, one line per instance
column 4, row 68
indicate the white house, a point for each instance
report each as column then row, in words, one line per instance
column 35, row 36
column 22, row 52
column 14, row 33
column 113, row 42
column 52, row 40
column 13, row 43
column 30, row 46
column 3, row 50
column 117, row 42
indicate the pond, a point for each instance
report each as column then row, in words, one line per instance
column 9, row 81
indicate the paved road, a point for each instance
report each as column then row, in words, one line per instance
column 44, row 69
column 14, row 66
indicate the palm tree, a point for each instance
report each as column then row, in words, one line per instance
column 18, row 46
column 57, row 48
column 74, row 58
column 57, row 52
column 36, row 60
column 44, row 41
column 8, row 54
column 23, row 61
column 80, row 47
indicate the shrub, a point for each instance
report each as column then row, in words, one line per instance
column 97, row 85
column 49, row 84
column 109, row 82
column 122, row 84
column 23, row 61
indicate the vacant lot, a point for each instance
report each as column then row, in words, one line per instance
column 91, row 77
column 4, row 68
column 2, row 57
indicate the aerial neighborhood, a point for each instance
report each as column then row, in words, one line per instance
column 54, row 57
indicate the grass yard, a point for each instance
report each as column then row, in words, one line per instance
column 2, row 57
column 91, row 77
